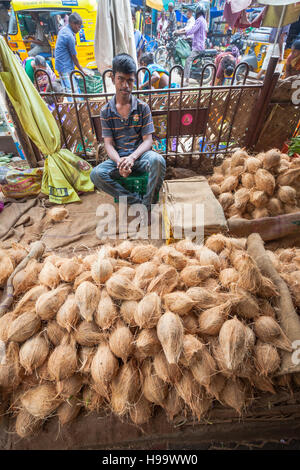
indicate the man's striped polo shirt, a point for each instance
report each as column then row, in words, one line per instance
column 126, row 133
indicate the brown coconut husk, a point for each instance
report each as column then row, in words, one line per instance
column 174, row 258
column 89, row 260
column 26, row 424
column 203, row 368
column 216, row 178
column 216, row 243
column 165, row 282
column 149, row 311
column 125, row 388
column 154, row 389
column 193, row 276
column 17, row 253
column 170, row 333
column 68, row 315
column 120, row 287
column 237, row 170
column 173, row 404
column 49, row 275
column 57, row 214
column 228, row 277
column 268, row 288
column 69, row 410
column 5, row 322
column 248, row 180
column 85, row 276
column 216, row 189
column 41, row 401
column 128, row 310
column 212, row 285
column 258, row 198
column 106, row 311
column 192, row 346
column 245, row 305
column 121, row 342
column 238, row 158
column 6, row 267
column 27, row 277
column 54, row 332
column 190, row 324
column 233, row 343
column 87, row 297
column 142, row 253
column 23, row 327
column 70, row 269
column 212, row 319
column 272, row 159
column 104, row 367
column 226, row 200
column 229, row 184
column 178, row 302
column 250, row 277
column 266, row 358
column 260, row 213
column 124, row 249
column 127, row 272
column 49, row 303
column 269, row 331
column 216, row 385
column 274, row 207
column 203, row 298
column 86, row 355
column 147, row 344
column 33, row 353
column 29, row 299
column 62, row 362
column 266, row 308
column 169, row 373
column 141, row 412
column 186, row 247
column 233, row 395
column 263, row 383
column 253, row 164
column 144, row 274
column 287, row 195
column 101, row 269
column 92, row 400
column 224, row 258
column 88, row 334
column 208, row 257
column 9, row 368
column 241, row 198
column 265, row 181
column 69, row 387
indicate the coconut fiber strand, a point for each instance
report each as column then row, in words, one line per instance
column 287, row 316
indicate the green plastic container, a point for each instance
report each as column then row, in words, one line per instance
column 94, row 84
column 135, row 184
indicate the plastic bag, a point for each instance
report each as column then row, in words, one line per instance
column 64, row 174
column 183, row 49
column 18, row 184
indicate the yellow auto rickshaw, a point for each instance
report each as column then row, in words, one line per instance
column 52, row 16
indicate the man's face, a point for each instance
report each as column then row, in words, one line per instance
column 124, row 83
column 189, row 14
column 170, row 8
column 76, row 27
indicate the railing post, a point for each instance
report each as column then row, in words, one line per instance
column 258, row 118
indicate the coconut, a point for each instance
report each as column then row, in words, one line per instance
column 70, row 269
column 233, row 343
column 268, row 288
column 266, row 308
column 84, row 276
column 268, row 331
column 33, row 353
column 54, row 259
column 29, row 299
column 266, row 358
column 241, row 198
column 287, row 195
column 233, row 395
column 174, row 258
column 208, row 257
column 211, row 285
column 263, row 383
column 233, row 212
column 104, row 367
column 26, row 424
column 86, row 355
column 224, row 258
column 68, row 411
column 57, row 214
column 173, row 404
column 202, row 297
column 193, row 395
column 89, row 260
column 216, row 178
column 121, row 342
column 54, row 332
column 258, row 198
column 120, row 287
column 62, row 362
column 271, row 159
column 92, row 400
column 192, row 276
column 88, row 334
column 26, row 278
column 101, row 269
column 211, row 320
column 250, row 277
column 147, row 344
column 169, row 373
column 41, row 401
column 142, row 253
column 106, row 311
column 229, row 184
column 253, row 164
column 190, row 324
column 170, row 333
column 5, row 322
column 191, row 348
column 17, row 253
column 148, row 311
column 154, row 389
column 226, row 200
column 124, row 249
column 296, row 378
column 260, row 213
column 128, row 310
column 124, row 388
column 226, row 166
column 9, row 367
column 87, row 297
column 287, row 209
column 216, row 385
column 186, row 247
column 144, row 274
column 23, row 327
column 178, row 302
column 245, row 305
column 215, row 189
column 6, row 267
column 42, row 373
column 141, row 412
column 238, row 158
column 237, row 170
column 203, row 368
column 165, row 282
column 264, row 181
column 69, row 387
column 49, row 275
column 216, row 243
column 127, row 272
column 68, row 315
column 248, row 180
column 183, row 386
column 48, row 304
column 228, row 277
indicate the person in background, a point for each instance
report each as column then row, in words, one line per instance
column 127, row 129
column 293, row 60
column 225, row 63
column 171, row 21
column 190, row 23
column 139, row 20
column 65, row 53
column 159, row 76
column 198, row 32
column 162, row 26
column 138, row 37
column 50, row 100
column 278, row 49
column 40, row 43
column 38, row 62
column 4, row 19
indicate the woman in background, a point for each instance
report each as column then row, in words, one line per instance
column 293, row 60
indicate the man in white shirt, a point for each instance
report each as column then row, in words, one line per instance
column 40, row 43
column 190, row 23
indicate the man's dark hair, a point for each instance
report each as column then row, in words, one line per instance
column 123, row 63
column 190, row 9
column 200, row 12
column 147, row 58
column 75, row 18
column 133, row 12
column 228, row 65
column 296, row 44
column 40, row 61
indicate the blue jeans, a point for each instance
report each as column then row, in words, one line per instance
column 150, row 162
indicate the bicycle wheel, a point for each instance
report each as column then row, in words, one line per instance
column 161, row 56
column 208, row 74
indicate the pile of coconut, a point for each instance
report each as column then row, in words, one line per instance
column 252, row 187
column 135, row 327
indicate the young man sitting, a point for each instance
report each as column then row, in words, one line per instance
column 127, row 129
